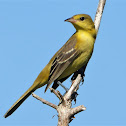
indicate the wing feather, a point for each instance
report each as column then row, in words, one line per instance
column 63, row 59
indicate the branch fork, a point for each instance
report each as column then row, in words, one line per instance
column 65, row 112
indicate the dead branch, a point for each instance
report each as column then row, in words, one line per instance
column 73, row 87
column 77, row 109
column 99, row 13
column 53, row 91
column 44, row 101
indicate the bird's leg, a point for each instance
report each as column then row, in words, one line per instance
column 59, row 83
column 74, row 76
column 80, row 71
column 74, row 96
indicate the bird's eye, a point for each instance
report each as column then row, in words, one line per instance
column 82, row 18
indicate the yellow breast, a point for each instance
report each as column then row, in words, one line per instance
column 85, row 45
column 85, row 41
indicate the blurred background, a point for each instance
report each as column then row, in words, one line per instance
column 30, row 34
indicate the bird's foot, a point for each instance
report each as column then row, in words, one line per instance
column 82, row 75
column 74, row 96
column 80, row 71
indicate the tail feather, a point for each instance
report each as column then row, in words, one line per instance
column 40, row 81
column 19, row 101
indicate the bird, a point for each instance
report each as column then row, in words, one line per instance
column 72, row 56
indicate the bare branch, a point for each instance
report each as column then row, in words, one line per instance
column 99, row 13
column 44, row 101
column 58, row 94
column 77, row 109
column 62, row 98
column 73, row 87
column 53, row 91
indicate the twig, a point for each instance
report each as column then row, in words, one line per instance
column 44, row 101
column 53, row 91
column 99, row 13
column 62, row 98
column 78, row 109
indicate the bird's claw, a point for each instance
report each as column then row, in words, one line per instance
column 74, row 96
column 76, row 74
column 82, row 75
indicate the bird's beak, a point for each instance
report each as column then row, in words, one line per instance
column 72, row 20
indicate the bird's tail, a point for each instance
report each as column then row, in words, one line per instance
column 20, row 101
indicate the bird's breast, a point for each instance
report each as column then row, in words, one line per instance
column 85, row 41
column 84, row 45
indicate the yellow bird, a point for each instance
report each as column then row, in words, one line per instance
column 74, row 54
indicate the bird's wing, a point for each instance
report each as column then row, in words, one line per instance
column 63, row 59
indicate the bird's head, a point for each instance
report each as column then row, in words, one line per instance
column 81, row 21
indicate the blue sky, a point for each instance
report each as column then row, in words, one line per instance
column 31, row 31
